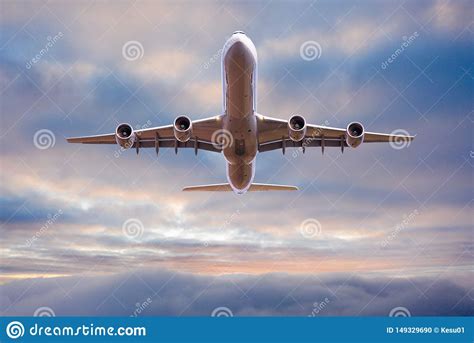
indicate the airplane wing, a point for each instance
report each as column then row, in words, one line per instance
column 273, row 134
column 163, row 137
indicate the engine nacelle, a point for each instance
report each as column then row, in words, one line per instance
column 183, row 128
column 125, row 136
column 296, row 128
column 354, row 134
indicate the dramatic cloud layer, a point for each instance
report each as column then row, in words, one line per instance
column 374, row 213
column 165, row 293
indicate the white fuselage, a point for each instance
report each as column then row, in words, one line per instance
column 239, row 79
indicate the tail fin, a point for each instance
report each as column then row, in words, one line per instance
column 225, row 187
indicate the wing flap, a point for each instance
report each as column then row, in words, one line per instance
column 307, row 142
column 173, row 143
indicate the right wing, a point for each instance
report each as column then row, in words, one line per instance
column 273, row 135
column 163, row 137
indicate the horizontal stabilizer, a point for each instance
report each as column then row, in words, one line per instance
column 217, row 187
column 261, row 187
column 225, row 187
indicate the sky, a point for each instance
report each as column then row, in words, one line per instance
column 380, row 230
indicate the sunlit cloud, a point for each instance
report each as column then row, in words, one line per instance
column 385, row 212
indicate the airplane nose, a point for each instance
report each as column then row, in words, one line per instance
column 239, row 53
column 240, row 50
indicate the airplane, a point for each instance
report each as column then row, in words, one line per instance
column 240, row 132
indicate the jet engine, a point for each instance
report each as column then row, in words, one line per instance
column 125, row 136
column 296, row 128
column 354, row 134
column 183, row 128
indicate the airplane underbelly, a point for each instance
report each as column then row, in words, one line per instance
column 243, row 145
column 240, row 120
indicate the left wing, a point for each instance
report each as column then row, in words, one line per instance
column 273, row 134
column 163, row 137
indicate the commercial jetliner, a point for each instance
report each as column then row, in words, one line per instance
column 240, row 132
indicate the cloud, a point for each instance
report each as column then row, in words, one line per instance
column 450, row 15
column 165, row 66
column 179, row 294
column 362, row 198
